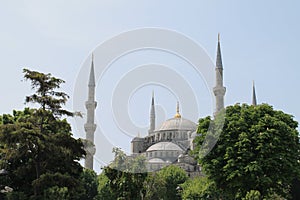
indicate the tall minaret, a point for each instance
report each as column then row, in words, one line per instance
column 90, row 126
column 219, row 89
column 152, row 115
column 254, row 101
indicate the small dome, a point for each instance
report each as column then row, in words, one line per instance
column 163, row 146
column 156, row 160
column 178, row 124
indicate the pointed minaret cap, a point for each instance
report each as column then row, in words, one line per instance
column 254, row 101
column 219, row 57
column 152, row 115
column 152, row 101
column 177, row 115
column 92, row 73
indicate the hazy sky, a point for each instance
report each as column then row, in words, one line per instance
column 259, row 39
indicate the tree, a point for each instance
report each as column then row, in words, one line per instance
column 295, row 190
column 104, row 191
column 36, row 145
column 154, row 187
column 123, row 178
column 199, row 188
column 126, row 178
column 258, row 150
column 252, row 195
column 57, row 193
column 90, row 183
column 173, row 176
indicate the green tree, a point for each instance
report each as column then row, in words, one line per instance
column 36, row 145
column 258, row 149
column 125, row 177
column 173, row 176
column 90, row 182
column 295, row 190
column 56, row 193
column 154, row 187
column 252, row 195
column 199, row 188
column 104, row 191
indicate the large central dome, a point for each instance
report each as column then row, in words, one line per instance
column 178, row 123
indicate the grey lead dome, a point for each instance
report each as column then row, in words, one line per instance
column 178, row 124
column 164, row 146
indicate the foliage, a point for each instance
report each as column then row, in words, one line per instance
column 50, row 180
column 199, row 188
column 295, row 190
column 104, row 192
column 46, row 95
column 125, row 177
column 90, row 183
column 154, row 187
column 36, row 145
column 173, row 176
column 14, row 196
column 258, row 149
column 57, row 193
column 252, row 195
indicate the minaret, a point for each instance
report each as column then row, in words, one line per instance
column 152, row 115
column 219, row 89
column 90, row 126
column 254, row 101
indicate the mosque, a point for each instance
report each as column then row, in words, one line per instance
column 169, row 143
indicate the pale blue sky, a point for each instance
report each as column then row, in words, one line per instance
column 259, row 39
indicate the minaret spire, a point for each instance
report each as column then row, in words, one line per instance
column 152, row 115
column 219, row 57
column 90, row 125
column 219, row 89
column 254, row 101
column 92, row 74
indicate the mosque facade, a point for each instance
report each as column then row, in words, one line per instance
column 171, row 142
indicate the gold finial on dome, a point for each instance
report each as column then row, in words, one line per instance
column 177, row 115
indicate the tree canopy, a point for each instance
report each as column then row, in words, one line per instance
column 173, row 176
column 36, row 145
column 258, row 150
column 123, row 178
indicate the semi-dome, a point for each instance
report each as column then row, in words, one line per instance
column 163, row 146
column 178, row 123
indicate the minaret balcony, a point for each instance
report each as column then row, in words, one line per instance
column 219, row 91
column 90, row 104
column 90, row 128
